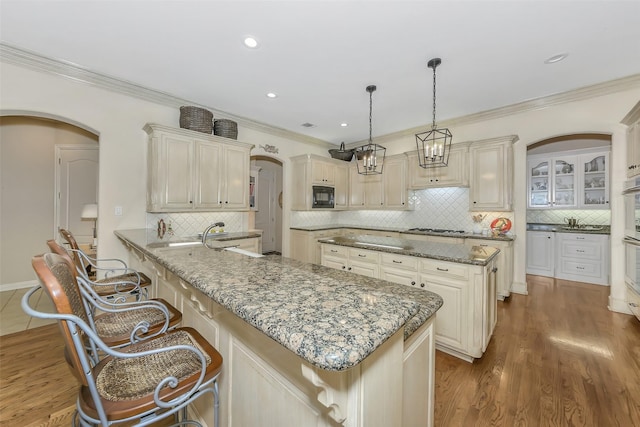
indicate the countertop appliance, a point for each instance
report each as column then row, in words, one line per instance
column 632, row 239
column 323, row 197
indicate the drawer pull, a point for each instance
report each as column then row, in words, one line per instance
column 442, row 269
column 333, row 250
column 362, row 256
column 579, row 238
column 580, row 268
column 397, row 262
column 580, row 251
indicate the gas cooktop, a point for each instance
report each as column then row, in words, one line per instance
column 436, row 230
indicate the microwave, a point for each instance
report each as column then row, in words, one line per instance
column 323, row 197
column 631, row 195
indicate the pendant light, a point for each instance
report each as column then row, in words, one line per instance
column 434, row 146
column 370, row 157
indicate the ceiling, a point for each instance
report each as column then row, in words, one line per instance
column 319, row 56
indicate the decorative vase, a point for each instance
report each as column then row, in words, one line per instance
column 477, row 228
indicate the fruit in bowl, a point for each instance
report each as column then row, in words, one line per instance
column 501, row 225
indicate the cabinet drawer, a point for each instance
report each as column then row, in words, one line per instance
column 333, row 250
column 400, row 261
column 577, row 237
column 364, row 255
column 581, row 250
column 445, row 269
column 569, row 269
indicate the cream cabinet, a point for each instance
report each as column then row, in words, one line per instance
column 395, row 182
column 309, row 170
column 468, row 316
column 358, row 261
column 632, row 120
column 577, row 179
column 504, row 263
column 491, row 174
column 191, row 171
column 582, row 257
column 381, row 191
column 455, row 174
column 540, row 253
column 305, row 246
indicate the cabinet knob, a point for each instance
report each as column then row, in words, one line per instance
column 548, row 237
column 190, row 201
column 226, row 202
column 422, row 285
column 475, row 203
column 344, row 266
column 413, row 283
column 349, row 268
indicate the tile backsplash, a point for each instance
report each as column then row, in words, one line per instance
column 552, row 216
column 446, row 208
column 192, row 223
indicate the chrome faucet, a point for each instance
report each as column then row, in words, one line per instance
column 208, row 229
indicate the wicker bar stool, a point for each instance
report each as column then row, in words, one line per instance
column 118, row 281
column 143, row 383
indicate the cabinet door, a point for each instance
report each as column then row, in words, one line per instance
column 374, row 191
column 633, row 150
column 595, row 183
column 564, row 193
column 356, row 188
column 540, row 253
column 322, row 173
column 236, row 178
column 333, row 262
column 341, row 186
column 395, row 183
column 539, row 178
column 452, row 320
column 176, row 157
column 399, row 276
column 300, row 192
column 490, row 180
column 207, row 175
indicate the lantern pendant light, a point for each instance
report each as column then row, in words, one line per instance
column 434, row 146
column 370, row 157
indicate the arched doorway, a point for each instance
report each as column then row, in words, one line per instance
column 267, row 210
column 29, row 211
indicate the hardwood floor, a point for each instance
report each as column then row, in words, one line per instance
column 558, row 357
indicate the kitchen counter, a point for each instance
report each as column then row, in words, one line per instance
column 331, row 319
column 562, row 228
column 502, row 237
column 151, row 239
column 459, row 253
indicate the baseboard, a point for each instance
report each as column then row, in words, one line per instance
column 18, row 285
column 619, row 305
column 519, row 288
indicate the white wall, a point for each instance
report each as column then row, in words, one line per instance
column 118, row 121
column 27, row 200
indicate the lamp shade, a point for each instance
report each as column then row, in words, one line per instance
column 89, row 211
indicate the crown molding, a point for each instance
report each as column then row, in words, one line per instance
column 24, row 58
column 32, row 60
column 600, row 89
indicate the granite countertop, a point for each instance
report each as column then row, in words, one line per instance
column 330, row 318
column 217, row 240
column 451, row 252
column 502, row 237
column 563, row 228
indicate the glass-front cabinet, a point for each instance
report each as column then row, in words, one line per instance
column 569, row 180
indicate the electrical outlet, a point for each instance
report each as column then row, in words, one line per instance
column 118, row 211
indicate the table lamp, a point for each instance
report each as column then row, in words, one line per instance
column 90, row 212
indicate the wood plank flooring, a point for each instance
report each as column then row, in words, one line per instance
column 558, row 357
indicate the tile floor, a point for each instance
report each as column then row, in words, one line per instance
column 14, row 319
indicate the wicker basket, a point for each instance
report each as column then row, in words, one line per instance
column 226, row 128
column 196, row 118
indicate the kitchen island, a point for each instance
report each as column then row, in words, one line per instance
column 302, row 344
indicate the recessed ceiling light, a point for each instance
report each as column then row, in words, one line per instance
column 344, row 125
column 272, row 95
column 250, row 42
column 556, row 58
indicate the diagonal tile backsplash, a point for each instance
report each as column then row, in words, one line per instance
column 192, row 223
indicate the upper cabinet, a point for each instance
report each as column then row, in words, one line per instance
column 455, row 174
column 395, row 182
column 309, row 170
column 381, row 191
column 570, row 180
column 192, row 171
column 632, row 120
column 491, row 174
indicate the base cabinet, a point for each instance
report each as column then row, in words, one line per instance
column 582, row 258
column 540, row 253
column 468, row 316
column 504, row 263
column 264, row 384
